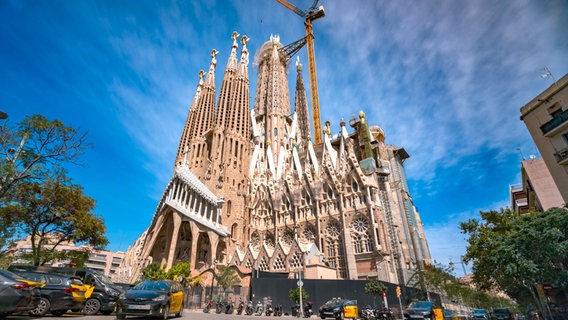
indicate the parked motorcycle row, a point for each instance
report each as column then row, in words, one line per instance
column 249, row 308
column 370, row 313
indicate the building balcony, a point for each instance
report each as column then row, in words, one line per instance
column 559, row 120
column 562, row 156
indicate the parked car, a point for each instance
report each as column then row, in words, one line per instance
column 58, row 293
column 105, row 293
column 156, row 298
column 16, row 295
column 339, row 309
column 420, row 310
column 501, row 314
column 479, row 314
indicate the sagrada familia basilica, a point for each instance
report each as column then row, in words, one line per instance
column 250, row 189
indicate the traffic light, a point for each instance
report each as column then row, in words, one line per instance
column 398, row 291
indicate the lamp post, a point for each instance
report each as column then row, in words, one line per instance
column 299, row 283
column 212, row 277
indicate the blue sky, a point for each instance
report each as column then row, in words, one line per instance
column 445, row 79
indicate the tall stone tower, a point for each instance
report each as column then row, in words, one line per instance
column 251, row 189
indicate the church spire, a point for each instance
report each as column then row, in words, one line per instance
column 302, row 107
column 205, row 107
column 232, row 63
column 243, row 65
column 183, row 147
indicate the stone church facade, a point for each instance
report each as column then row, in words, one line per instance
column 250, row 188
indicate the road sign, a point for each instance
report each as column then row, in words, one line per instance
column 300, row 283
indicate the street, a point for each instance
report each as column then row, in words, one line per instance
column 187, row 314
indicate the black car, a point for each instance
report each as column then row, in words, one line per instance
column 501, row 314
column 104, row 296
column 479, row 314
column 58, row 294
column 154, row 298
column 420, row 310
column 16, row 295
column 339, row 309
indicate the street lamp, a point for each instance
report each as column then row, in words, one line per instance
column 213, row 277
column 300, row 283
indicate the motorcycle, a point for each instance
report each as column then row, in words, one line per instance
column 240, row 308
column 220, row 307
column 268, row 309
column 229, row 308
column 384, row 314
column 278, row 310
column 259, row 308
column 207, row 306
column 308, row 309
column 249, row 310
column 368, row 313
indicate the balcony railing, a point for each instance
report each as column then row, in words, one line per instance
column 562, row 156
column 557, row 119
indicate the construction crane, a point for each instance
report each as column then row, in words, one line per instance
column 313, row 13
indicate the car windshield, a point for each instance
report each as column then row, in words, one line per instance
column 421, row 305
column 102, row 277
column 151, row 285
column 9, row 274
column 332, row 302
column 501, row 311
column 479, row 311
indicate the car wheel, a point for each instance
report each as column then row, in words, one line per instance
column 92, row 306
column 41, row 308
column 180, row 313
column 166, row 312
column 58, row 313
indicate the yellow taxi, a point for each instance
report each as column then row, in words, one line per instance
column 339, row 308
column 155, row 298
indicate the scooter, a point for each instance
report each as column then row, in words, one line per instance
column 249, row 310
column 240, row 308
column 220, row 307
column 268, row 309
column 229, row 308
column 278, row 310
column 207, row 306
column 385, row 314
column 368, row 313
column 308, row 309
column 259, row 308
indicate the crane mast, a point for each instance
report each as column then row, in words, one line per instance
column 313, row 14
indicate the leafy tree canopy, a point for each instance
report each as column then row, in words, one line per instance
column 55, row 212
column 294, row 295
column 227, row 277
column 183, row 270
column 517, row 252
column 375, row 288
column 33, row 151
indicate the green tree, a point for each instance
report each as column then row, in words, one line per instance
column 36, row 150
column 55, row 212
column 31, row 152
column 375, row 288
column 183, row 270
column 516, row 253
column 294, row 295
column 154, row 272
column 227, row 277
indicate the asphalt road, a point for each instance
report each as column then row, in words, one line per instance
column 187, row 314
